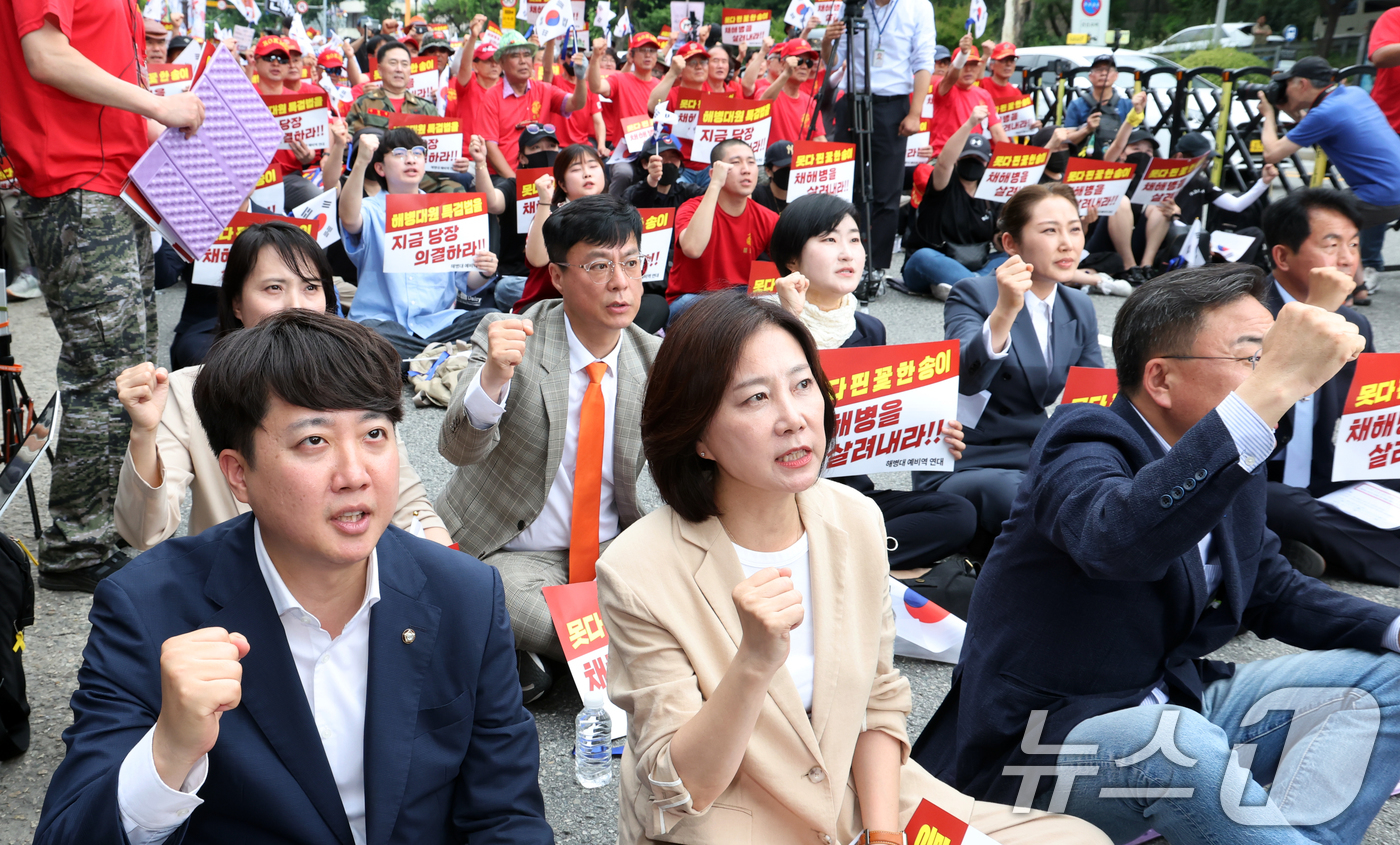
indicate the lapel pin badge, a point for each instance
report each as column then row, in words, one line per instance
column 408, row 636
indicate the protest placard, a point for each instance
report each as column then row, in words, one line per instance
column 303, row 115
column 916, row 142
column 1013, row 167
column 166, row 80
column 1098, row 385
column 763, row 278
column 527, row 195
column 1164, row 179
column 742, row 27
column 1368, row 440
column 892, row 403
column 243, row 36
column 423, row 76
column 687, row 112
column 532, row 10
column 269, row 192
column 433, row 233
column 441, row 135
column 933, row 825
column 209, row 269
column 723, row 117
column 1098, row 184
column 637, row 130
column 1017, row 113
column 681, row 13
column 822, row 167
column 656, row 241
column 579, row 624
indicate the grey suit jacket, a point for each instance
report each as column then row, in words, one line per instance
column 504, row 472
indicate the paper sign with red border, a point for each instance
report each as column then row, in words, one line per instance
column 532, row 10
column 723, row 117
column 526, row 195
column 1098, row 184
column 441, row 135
column 1368, row 438
column 637, row 130
column 304, row 116
column 1098, row 385
column 916, row 142
column 763, row 278
column 892, row 403
column 1017, row 114
column 1013, row 167
column 822, row 167
column 687, row 113
column 933, row 825
column 433, row 233
column 169, row 79
column 8, row 180
column 745, row 26
column 209, row 269
column 579, row 624
column 269, row 192
column 1164, row 179
column 657, row 225
column 423, row 76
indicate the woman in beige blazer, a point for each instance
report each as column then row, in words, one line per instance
column 271, row 266
column 749, row 620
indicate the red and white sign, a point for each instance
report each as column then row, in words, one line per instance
column 1013, row 167
column 822, row 167
column 269, row 192
column 533, row 9
column 302, row 7
column 892, row 403
column 1368, row 439
column 209, row 269
column 527, row 196
column 723, row 117
column 166, row 80
column 304, row 116
column 423, row 76
column 1098, row 184
column 745, row 26
column 1164, row 179
column 687, row 112
column 441, row 135
column 916, row 142
column 637, row 130
column 1098, row 385
column 579, row 624
column 933, row 825
column 433, row 233
column 657, row 225
column 763, row 278
column 1017, row 114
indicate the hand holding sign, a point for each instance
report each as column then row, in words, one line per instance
column 953, row 437
column 180, row 111
column 505, row 349
column 486, row 262
column 1305, row 348
column 1329, row 287
column 769, row 608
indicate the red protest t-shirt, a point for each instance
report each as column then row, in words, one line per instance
column 952, row 110
column 1386, row 91
column 791, row 117
column 997, row 90
column 58, row 142
column 734, row 244
column 577, row 128
column 467, row 103
column 629, row 97
column 504, row 115
column 673, row 102
column 538, row 285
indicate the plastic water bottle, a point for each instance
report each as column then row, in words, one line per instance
column 593, row 742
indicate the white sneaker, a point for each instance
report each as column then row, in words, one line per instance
column 941, row 291
column 1369, row 280
column 27, row 287
column 1109, row 286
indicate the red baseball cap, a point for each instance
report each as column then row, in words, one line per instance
column 974, row 56
column 484, row 53
column 270, row 44
column 643, row 39
column 799, row 47
column 330, row 58
column 409, row 39
column 688, row 49
column 1003, row 50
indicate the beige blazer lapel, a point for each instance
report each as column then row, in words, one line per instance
column 829, row 558
column 554, row 390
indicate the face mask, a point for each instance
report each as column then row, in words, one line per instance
column 971, row 169
column 1057, row 162
column 780, row 177
column 669, row 174
column 1140, row 159
column 543, row 158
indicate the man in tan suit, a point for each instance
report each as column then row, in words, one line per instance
column 533, row 415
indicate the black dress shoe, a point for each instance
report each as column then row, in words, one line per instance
column 535, row 678
column 82, row 580
column 1304, row 558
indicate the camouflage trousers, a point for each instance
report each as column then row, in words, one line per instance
column 97, row 273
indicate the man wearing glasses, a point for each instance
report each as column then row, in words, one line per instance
column 1136, row 547
column 392, row 95
column 792, row 107
column 545, row 425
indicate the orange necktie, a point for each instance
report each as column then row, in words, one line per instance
column 588, row 479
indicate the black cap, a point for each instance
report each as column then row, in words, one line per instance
column 176, row 46
column 977, row 146
column 1314, row 68
column 1194, row 144
column 656, row 146
column 778, row 155
column 1104, row 59
column 542, row 131
column 1143, row 135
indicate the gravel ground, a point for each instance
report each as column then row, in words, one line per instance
column 586, row 817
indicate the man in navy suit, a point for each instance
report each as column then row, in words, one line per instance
column 304, row 673
column 1137, row 545
column 1313, row 243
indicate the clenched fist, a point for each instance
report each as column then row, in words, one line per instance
column 1305, row 348
column 792, row 292
column 505, row 349
column 1013, row 280
column 719, row 172
column 200, row 678
column 1329, row 287
column 143, row 391
column 769, row 608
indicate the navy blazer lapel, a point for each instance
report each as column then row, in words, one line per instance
column 272, row 691
column 396, row 672
column 1026, row 347
column 1066, row 332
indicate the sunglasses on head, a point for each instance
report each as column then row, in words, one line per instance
column 405, row 152
column 538, row 129
column 277, row 58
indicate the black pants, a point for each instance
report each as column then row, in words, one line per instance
column 886, row 169
column 925, row 527
column 1357, row 548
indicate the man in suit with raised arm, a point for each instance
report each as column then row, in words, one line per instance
column 1137, row 546
column 304, row 673
column 545, row 424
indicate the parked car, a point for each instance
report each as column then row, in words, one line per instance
column 1239, row 36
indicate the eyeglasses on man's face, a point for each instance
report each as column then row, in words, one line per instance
column 1252, row 360
column 405, row 152
column 277, row 58
column 601, row 271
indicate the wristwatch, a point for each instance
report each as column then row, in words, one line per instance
column 880, row 837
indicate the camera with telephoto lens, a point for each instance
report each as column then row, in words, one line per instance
column 1273, row 91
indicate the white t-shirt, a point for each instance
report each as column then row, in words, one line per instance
column 802, row 659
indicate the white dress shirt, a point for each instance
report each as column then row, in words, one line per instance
column 1297, row 455
column 802, row 646
column 902, row 42
column 1042, row 313
column 334, row 677
column 550, row 530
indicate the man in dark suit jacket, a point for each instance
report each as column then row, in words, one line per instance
column 1012, row 386
column 1312, row 240
column 303, row 673
column 1137, row 546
